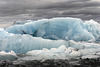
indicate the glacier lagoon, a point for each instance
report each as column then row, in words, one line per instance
column 56, row 38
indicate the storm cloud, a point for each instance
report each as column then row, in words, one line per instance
column 15, row 10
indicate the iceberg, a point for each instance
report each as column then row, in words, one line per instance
column 57, row 28
column 62, row 37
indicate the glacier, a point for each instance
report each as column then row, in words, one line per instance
column 62, row 37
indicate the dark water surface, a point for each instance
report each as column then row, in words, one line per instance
column 52, row 63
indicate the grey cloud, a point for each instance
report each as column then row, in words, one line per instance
column 13, row 10
column 71, row 4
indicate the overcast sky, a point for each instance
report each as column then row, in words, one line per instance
column 15, row 10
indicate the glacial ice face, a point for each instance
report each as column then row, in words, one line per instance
column 55, row 28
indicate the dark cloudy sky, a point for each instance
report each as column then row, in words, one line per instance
column 15, row 10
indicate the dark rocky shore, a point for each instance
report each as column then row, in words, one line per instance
column 52, row 63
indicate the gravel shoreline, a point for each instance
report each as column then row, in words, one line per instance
column 52, row 63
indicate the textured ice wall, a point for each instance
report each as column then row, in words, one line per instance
column 24, row 43
column 58, row 28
